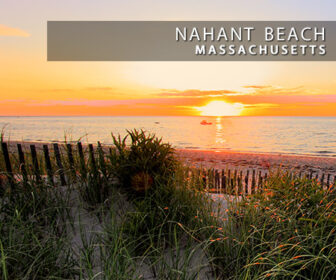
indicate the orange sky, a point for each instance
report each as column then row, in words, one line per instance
column 29, row 85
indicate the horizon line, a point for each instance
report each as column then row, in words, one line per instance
column 299, row 116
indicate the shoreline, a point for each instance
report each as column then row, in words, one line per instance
column 320, row 155
column 231, row 159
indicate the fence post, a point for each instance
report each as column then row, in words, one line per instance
column 322, row 180
column 8, row 164
column 235, row 182
column 217, row 180
column 223, row 187
column 102, row 160
column 71, row 160
column 259, row 181
column 48, row 164
column 240, row 183
column 328, row 180
column 92, row 159
column 59, row 164
column 35, row 163
column 22, row 163
column 229, row 186
column 247, row 181
column 81, row 159
column 203, row 178
column 253, row 182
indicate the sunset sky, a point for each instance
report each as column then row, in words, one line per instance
column 29, row 85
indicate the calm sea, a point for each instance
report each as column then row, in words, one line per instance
column 291, row 135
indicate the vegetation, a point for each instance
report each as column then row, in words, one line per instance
column 146, row 163
column 33, row 243
column 286, row 232
column 133, row 212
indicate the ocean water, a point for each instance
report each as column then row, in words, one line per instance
column 289, row 135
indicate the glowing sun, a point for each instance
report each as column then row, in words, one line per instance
column 220, row 108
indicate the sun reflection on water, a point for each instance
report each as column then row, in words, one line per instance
column 219, row 131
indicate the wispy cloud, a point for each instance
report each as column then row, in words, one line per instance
column 256, row 86
column 278, row 90
column 196, row 93
column 11, row 31
column 248, row 90
column 101, row 89
column 109, row 103
column 12, row 100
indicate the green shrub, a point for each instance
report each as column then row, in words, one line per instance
column 145, row 163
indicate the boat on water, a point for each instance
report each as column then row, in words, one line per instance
column 204, row 122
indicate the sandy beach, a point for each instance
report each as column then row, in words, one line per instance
column 243, row 161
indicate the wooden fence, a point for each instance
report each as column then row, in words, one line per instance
column 61, row 163
column 56, row 165
column 250, row 181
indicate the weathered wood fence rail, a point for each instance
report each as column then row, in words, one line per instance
column 62, row 163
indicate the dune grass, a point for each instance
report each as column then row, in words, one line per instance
column 286, row 232
column 135, row 214
column 32, row 237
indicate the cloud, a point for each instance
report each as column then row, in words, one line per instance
column 79, row 102
column 278, row 90
column 197, row 93
column 260, row 105
column 101, row 88
column 256, row 86
column 101, row 103
column 252, row 90
column 11, row 31
column 12, row 100
column 94, row 91
column 283, row 99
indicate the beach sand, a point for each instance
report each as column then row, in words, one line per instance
column 263, row 162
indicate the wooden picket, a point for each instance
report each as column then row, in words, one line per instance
column 7, row 163
column 48, row 164
column 22, row 168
